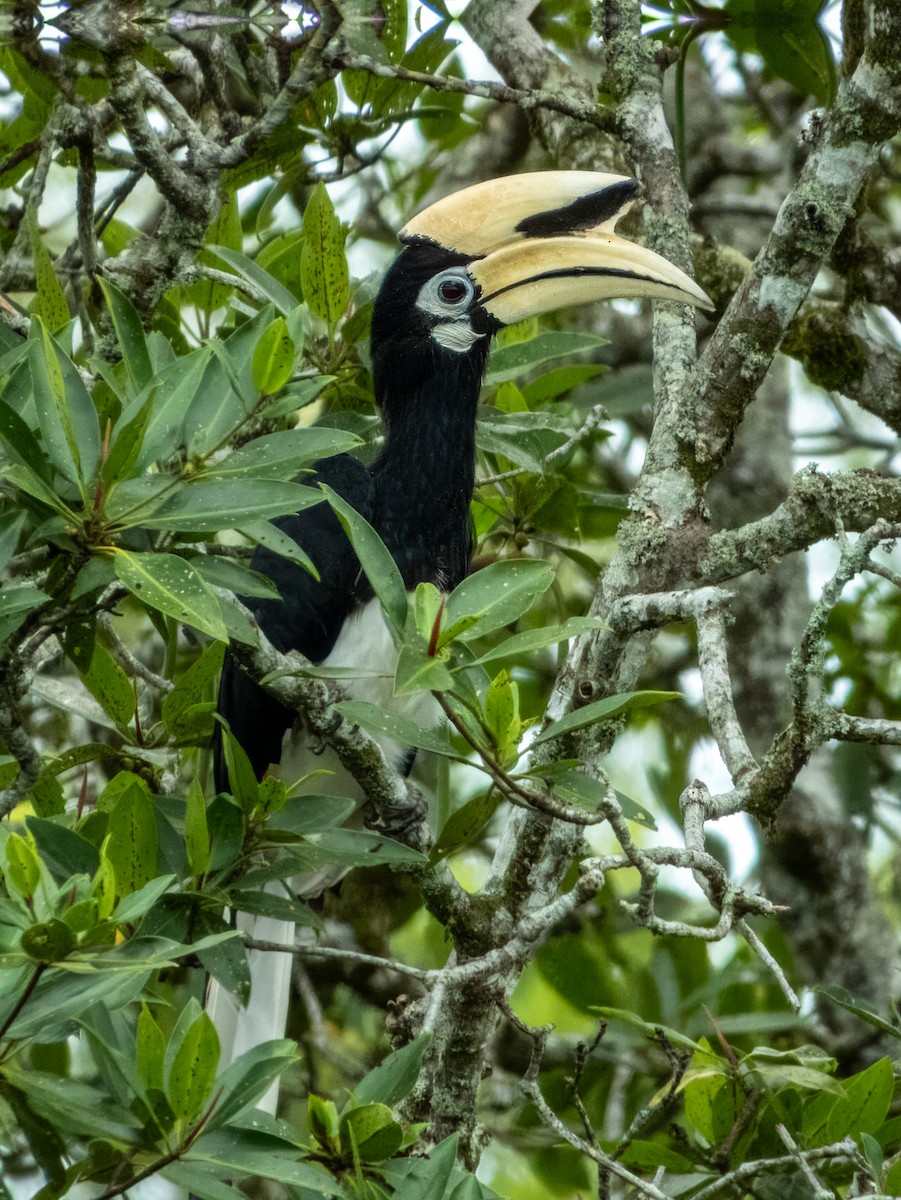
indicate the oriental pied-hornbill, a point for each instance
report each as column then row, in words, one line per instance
column 475, row 261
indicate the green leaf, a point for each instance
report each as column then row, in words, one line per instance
column 509, row 362
column 197, row 684
column 50, row 304
column 378, row 565
column 171, row 397
column 23, row 870
column 193, row 1069
column 494, row 597
column 526, row 439
column 865, row 1104
column 197, row 837
column 261, row 280
column 57, row 412
column 110, row 687
column 22, row 442
column 603, row 710
column 248, row 1078
column 169, row 584
column 125, row 445
column 393, row 1079
column 285, row 453
column 129, row 334
column 131, row 843
column 431, row 1176
column 248, row 1153
column 403, row 730
column 839, row 995
column 20, row 598
column 63, row 850
column 355, row 848
column 273, row 358
column 311, row 814
column 216, row 504
column 233, row 575
column 465, row 824
column 151, row 1050
column 710, row 1106
column 371, row 1131
column 281, row 257
column 225, row 230
column 418, row 671
column 323, row 267
column 268, row 535
column 521, row 644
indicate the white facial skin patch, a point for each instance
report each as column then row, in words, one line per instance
column 455, row 335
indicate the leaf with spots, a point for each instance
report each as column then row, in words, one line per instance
column 323, row 267
column 131, row 842
column 170, row 585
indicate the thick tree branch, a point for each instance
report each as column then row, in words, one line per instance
column 867, row 111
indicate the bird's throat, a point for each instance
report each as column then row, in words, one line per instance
column 426, row 471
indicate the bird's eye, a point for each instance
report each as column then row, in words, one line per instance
column 452, row 291
column 447, row 294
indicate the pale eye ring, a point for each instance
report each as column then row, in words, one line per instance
column 448, row 294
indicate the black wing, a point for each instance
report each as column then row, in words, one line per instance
column 308, row 617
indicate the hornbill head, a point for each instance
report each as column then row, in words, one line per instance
column 498, row 252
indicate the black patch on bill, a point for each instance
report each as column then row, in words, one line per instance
column 584, row 213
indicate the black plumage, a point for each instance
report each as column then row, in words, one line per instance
column 416, row 495
column 486, row 257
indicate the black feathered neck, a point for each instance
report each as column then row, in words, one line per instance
column 428, row 396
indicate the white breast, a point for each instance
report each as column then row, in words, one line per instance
column 364, row 644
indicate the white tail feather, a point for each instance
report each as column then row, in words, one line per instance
column 266, row 1014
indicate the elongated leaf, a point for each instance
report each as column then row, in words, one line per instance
column 151, row 1048
column 132, row 838
column 194, row 686
column 216, row 504
column 430, row 1176
column 193, row 1069
column 359, row 847
column 261, row 280
column 380, row 568
column 22, row 442
column 247, row 1079
column 509, row 362
column 171, row 397
column 197, row 836
column 229, row 573
column 860, row 1008
column 129, row 333
column 310, row 814
column 259, row 1154
column 603, row 710
column 286, row 453
column 172, row 586
column 50, row 402
column 110, row 687
column 268, row 535
column 323, row 267
column 126, row 444
column 464, row 825
column 225, row 230
column 537, row 639
column 393, row 1078
column 494, row 596
column 273, row 358
column 402, row 729
column 866, row 1103
column 50, row 304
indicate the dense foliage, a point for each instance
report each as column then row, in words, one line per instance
column 584, row 991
